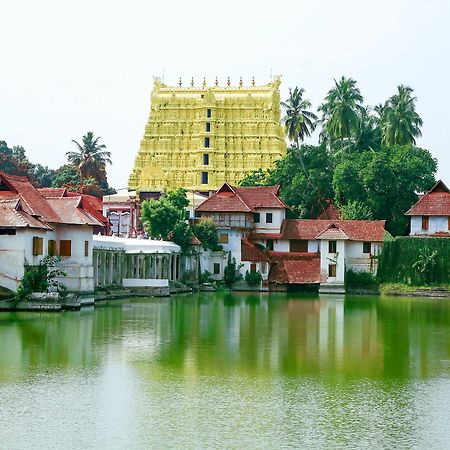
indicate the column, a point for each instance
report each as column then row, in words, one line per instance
column 95, row 264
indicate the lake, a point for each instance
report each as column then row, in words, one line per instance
column 228, row 371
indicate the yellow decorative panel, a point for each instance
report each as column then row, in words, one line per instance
column 237, row 127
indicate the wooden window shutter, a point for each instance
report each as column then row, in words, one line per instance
column 51, row 247
column 65, row 248
column 38, row 246
column 86, row 248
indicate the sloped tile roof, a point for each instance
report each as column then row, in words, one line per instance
column 356, row 230
column 436, row 202
column 283, row 256
column 242, row 199
column 11, row 216
column 332, row 233
column 33, row 202
column 53, row 192
column 70, row 211
column 298, row 271
column 250, row 252
column 255, row 236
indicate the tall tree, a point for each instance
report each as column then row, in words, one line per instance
column 299, row 121
column 90, row 157
column 341, row 112
column 400, row 122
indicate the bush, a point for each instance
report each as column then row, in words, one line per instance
column 205, row 277
column 415, row 261
column 253, row 278
column 355, row 278
column 231, row 272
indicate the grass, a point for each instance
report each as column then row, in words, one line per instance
column 401, row 287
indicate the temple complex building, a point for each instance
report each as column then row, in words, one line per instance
column 199, row 138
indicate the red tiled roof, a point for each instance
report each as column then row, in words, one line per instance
column 12, row 216
column 332, row 233
column 356, row 230
column 71, row 212
column 283, row 256
column 33, row 202
column 242, row 199
column 299, row 271
column 53, row 192
column 263, row 236
column 436, row 202
column 250, row 252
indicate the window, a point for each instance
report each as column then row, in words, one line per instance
column 65, row 248
column 269, row 217
column 86, row 248
column 205, row 159
column 332, row 270
column 367, row 247
column 425, row 222
column 208, row 113
column 38, row 246
column 252, row 267
column 204, row 177
column 256, row 217
column 187, row 215
column 269, row 244
column 332, row 247
column 51, row 247
column 298, row 245
column 7, row 231
column 216, row 268
column 221, row 217
column 206, row 142
column 223, row 238
column 208, row 127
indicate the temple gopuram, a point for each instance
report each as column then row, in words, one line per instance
column 200, row 137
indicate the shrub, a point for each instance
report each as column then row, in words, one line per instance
column 355, row 278
column 231, row 272
column 205, row 277
column 253, row 278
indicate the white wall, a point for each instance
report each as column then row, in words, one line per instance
column 326, row 259
column 436, row 223
column 278, row 214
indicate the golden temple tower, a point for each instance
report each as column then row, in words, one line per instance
column 200, row 137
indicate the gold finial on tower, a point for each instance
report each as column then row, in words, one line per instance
column 180, row 83
column 253, row 81
column 204, row 82
column 217, row 82
column 240, row 82
column 228, row 82
column 192, row 82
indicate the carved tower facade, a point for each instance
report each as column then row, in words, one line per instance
column 200, row 137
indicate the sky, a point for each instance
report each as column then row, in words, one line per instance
column 68, row 67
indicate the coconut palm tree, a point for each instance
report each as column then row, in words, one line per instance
column 299, row 121
column 90, row 157
column 341, row 111
column 400, row 122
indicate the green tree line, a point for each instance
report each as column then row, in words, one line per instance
column 367, row 162
column 84, row 172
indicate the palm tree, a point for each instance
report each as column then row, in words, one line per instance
column 400, row 122
column 341, row 111
column 299, row 121
column 90, row 158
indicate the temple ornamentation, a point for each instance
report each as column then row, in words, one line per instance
column 201, row 137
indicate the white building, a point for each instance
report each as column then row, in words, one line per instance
column 252, row 226
column 32, row 227
column 430, row 216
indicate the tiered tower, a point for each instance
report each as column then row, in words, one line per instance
column 200, row 137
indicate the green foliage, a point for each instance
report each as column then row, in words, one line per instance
column 415, row 261
column 358, row 279
column 355, row 210
column 182, row 235
column 206, row 277
column 385, row 181
column 206, row 232
column 255, row 178
column 42, row 277
column 178, row 199
column 253, row 278
column 231, row 272
column 159, row 218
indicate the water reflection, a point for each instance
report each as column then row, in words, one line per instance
column 222, row 334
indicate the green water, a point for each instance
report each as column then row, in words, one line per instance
column 228, row 371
